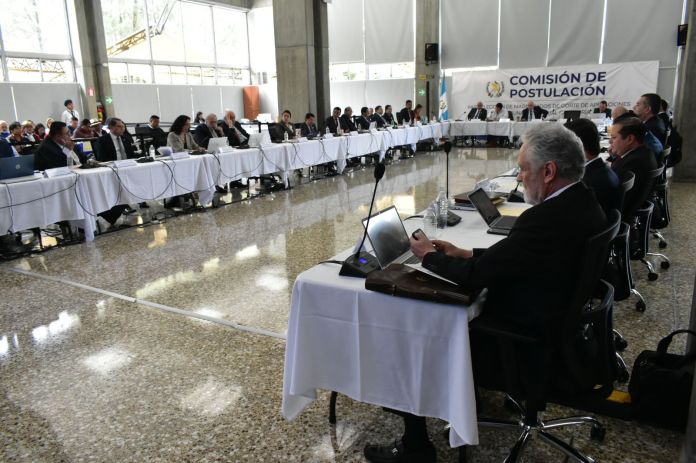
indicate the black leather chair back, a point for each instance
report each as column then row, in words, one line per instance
column 626, row 184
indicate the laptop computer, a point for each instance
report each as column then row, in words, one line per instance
column 215, row 143
column 389, row 239
column 17, row 167
column 257, row 140
column 497, row 224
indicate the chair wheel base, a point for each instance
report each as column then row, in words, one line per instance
column 597, row 433
column 640, row 306
column 662, row 244
column 652, row 276
column 664, row 264
column 620, row 344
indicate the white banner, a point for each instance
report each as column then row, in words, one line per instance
column 555, row 89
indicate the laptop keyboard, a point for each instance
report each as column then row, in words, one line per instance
column 412, row 260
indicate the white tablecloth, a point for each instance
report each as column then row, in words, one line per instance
column 85, row 193
column 37, row 203
column 101, row 189
column 396, row 352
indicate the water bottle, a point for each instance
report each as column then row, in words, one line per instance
column 430, row 221
column 285, row 136
column 442, row 209
column 151, row 151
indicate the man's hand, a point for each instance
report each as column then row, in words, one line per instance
column 451, row 250
column 420, row 247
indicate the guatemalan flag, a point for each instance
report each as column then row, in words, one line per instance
column 443, row 99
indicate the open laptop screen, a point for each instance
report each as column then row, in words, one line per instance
column 483, row 204
column 387, row 235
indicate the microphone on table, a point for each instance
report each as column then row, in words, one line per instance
column 515, row 196
column 361, row 263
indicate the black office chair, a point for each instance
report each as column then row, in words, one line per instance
column 640, row 230
column 572, row 115
column 660, row 199
column 583, row 347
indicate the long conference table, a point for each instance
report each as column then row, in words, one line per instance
column 401, row 353
column 83, row 193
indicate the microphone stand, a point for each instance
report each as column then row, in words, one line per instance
column 447, row 148
column 361, row 263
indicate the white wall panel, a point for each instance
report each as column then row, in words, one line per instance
column 135, row 103
column 469, row 33
column 350, row 93
column 39, row 101
column 524, row 27
column 394, row 92
column 233, row 98
column 346, row 40
column 385, row 44
column 207, row 99
column 174, row 101
column 572, row 41
column 641, row 30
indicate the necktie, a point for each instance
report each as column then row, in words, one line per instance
column 120, row 151
column 531, row 114
column 476, row 115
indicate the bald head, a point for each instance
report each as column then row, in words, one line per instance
column 618, row 111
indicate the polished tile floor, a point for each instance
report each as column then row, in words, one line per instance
column 88, row 374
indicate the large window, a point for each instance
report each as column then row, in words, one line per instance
column 35, row 41
column 175, row 42
column 360, row 71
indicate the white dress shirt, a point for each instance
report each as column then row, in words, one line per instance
column 68, row 115
column 494, row 116
column 558, row 192
column 118, row 144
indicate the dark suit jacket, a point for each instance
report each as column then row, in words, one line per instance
column 50, row 155
column 159, row 137
column 232, row 136
column 332, row 124
column 657, row 127
column 5, row 149
column 106, row 151
column 482, row 114
column 389, row 117
column 278, row 131
column 538, row 113
column 604, row 183
column 202, row 135
column 347, row 123
column 309, row 130
column 403, row 116
column 363, row 123
column 664, row 117
column 380, row 120
column 639, row 161
column 607, row 112
column 531, row 274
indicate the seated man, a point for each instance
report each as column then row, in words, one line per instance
column 495, row 116
column 7, row 150
column 650, row 141
column 378, row 117
column 346, row 120
column 236, row 135
column 309, row 128
column 647, row 107
column 477, row 113
column 603, row 109
column 332, row 122
column 530, row 274
column 204, row 132
column 159, row 137
column 363, row 121
column 533, row 111
column 598, row 176
column 627, row 136
column 114, row 145
column 57, row 149
column 388, row 115
column 404, row 116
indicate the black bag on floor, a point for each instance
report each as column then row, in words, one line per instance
column 660, row 385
